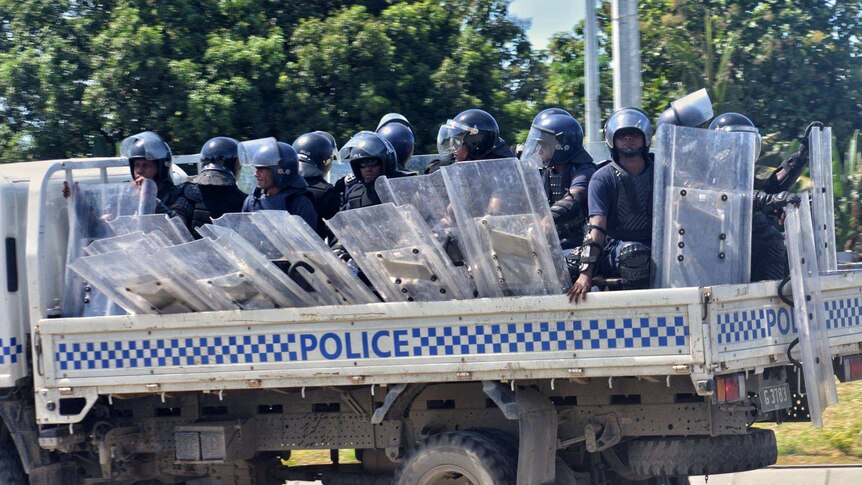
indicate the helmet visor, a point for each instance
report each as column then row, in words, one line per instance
column 540, row 148
column 629, row 118
column 363, row 146
column 262, row 152
column 450, row 137
column 146, row 145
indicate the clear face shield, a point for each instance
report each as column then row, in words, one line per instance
column 262, row 152
column 746, row 129
column 450, row 137
column 539, row 149
column 146, row 145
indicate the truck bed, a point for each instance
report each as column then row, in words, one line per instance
column 698, row 332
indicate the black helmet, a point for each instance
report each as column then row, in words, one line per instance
column 474, row 129
column 278, row 156
column 148, row 146
column 736, row 122
column 369, row 145
column 314, row 151
column 556, row 139
column 335, row 155
column 219, row 162
column 548, row 112
column 628, row 118
column 393, row 118
column 402, row 140
column 732, row 122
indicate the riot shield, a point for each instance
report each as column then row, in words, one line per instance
column 426, row 193
column 230, row 273
column 128, row 282
column 507, row 229
column 702, row 207
column 395, row 249
column 809, row 310
column 92, row 206
column 291, row 243
column 820, row 153
column 170, row 228
column 136, row 243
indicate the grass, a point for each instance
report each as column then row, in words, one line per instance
column 838, row 442
column 318, row 457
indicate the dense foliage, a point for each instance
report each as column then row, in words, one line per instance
column 76, row 76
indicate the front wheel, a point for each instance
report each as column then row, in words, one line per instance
column 456, row 458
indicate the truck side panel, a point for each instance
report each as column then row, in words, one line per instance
column 383, row 343
column 751, row 327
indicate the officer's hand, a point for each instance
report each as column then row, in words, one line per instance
column 775, row 203
column 66, row 190
column 138, row 182
column 580, row 289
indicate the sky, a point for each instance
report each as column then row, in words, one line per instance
column 547, row 17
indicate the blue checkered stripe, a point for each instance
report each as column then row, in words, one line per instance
column 749, row 325
column 9, row 351
column 626, row 333
column 741, row 326
column 177, row 351
column 480, row 339
column 844, row 313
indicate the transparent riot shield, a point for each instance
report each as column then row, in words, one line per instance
column 295, row 248
column 230, row 273
column 809, row 311
column 171, row 228
column 127, row 281
column 820, row 154
column 702, row 207
column 395, row 249
column 136, row 243
column 92, row 206
column 507, row 229
column 427, row 193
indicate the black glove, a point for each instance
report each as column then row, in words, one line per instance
column 774, row 204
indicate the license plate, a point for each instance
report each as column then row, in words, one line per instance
column 775, row 397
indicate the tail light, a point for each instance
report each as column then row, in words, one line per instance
column 730, row 388
column 851, row 368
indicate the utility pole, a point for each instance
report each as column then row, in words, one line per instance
column 591, row 74
column 627, row 54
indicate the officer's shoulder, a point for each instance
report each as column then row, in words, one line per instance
column 190, row 191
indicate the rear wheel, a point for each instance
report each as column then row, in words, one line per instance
column 457, row 458
column 11, row 471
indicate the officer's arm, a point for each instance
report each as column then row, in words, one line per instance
column 594, row 243
column 569, row 207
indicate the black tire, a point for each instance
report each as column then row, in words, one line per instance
column 11, row 471
column 456, row 457
column 683, row 456
column 508, row 444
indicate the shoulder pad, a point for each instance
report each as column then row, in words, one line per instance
column 191, row 192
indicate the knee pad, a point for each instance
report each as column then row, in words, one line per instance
column 634, row 265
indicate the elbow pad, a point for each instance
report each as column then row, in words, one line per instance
column 565, row 209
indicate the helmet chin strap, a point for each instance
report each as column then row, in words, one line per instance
column 630, row 152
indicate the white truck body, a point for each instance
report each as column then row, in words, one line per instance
column 675, row 340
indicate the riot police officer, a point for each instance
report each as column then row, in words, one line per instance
column 472, row 135
column 315, row 152
column 279, row 185
column 217, row 180
column 370, row 156
column 767, row 238
column 555, row 144
column 620, row 207
column 150, row 158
